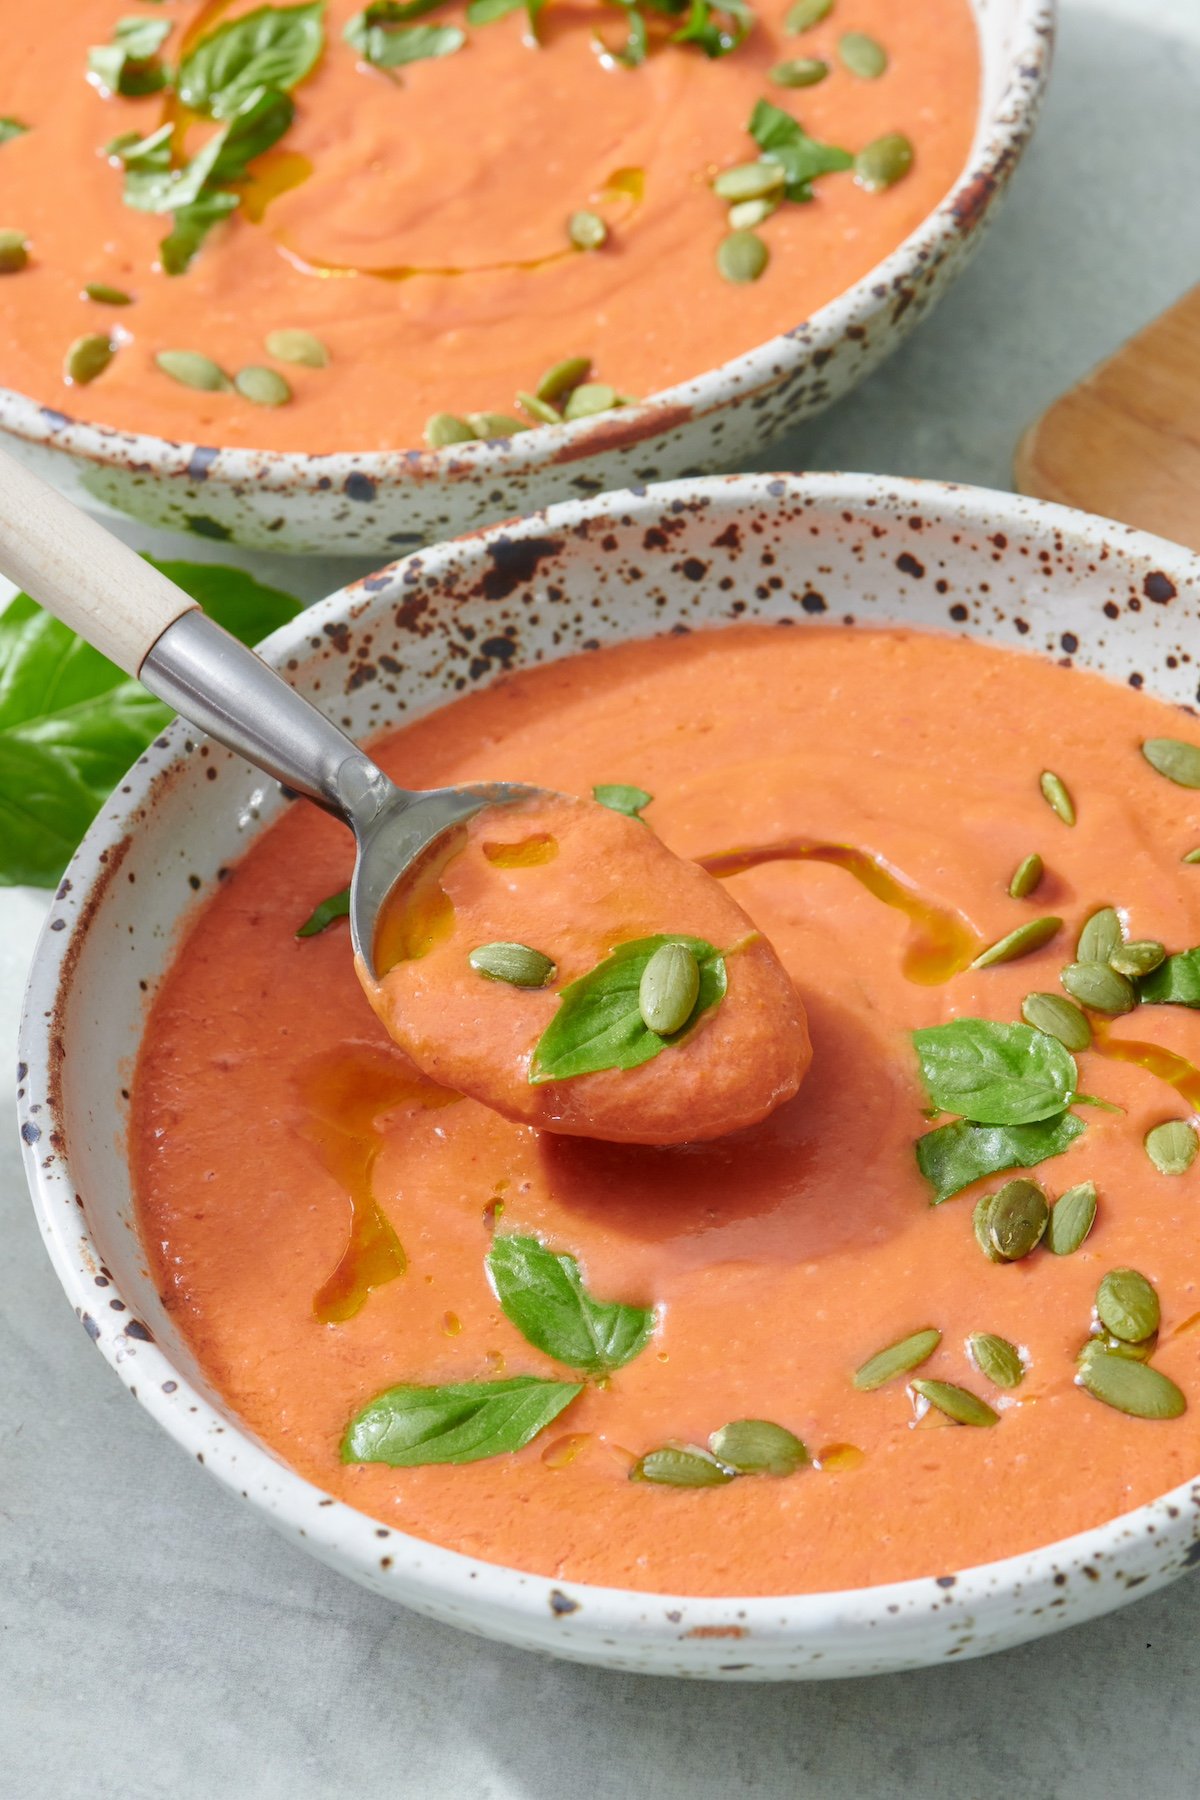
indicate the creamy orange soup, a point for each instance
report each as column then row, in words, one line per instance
column 413, row 220
column 317, row 1214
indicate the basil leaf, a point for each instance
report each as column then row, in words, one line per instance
column 954, row 1156
column 783, row 140
column 995, row 1074
column 337, row 906
column 714, row 38
column 543, row 1295
column 129, row 65
column 1175, row 982
column 633, row 52
column 44, row 811
column 408, row 1427
column 598, row 1024
column 274, row 47
column 384, row 41
column 618, row 798
column 189, row 228
column 484, row 12
column 11, row 128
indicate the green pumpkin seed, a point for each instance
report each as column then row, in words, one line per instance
column 742, row 257
column 883, row 162
column 87, row 358
column 491, row 425
column 1016, row 1221
column 562, row 376
column 996, row 1359
column 1056, row 796
column 1058, row 1018
column 758, row 1447
column 193, row 370
column 1178, row 761
column 591, row 397
column 1129, row 1386
column 1101, row 935
column 1027, row 876
column 105, row 295
column 681, row 1465
column 1098, row 987
column 749, row 181
column 749, row 213
column 864, row 56
column 668, row 989
column 1021, row 942
column 1138, row 958
column 586, row 230
column 1172, row 1146
column 1127, row 1305
column 1193, row 856
column 1071, row 1218
column 299, row 347
column 799, row 72
column 444, row 429
column 957, row 1403
column 1118, row 1347
column 515, row 963
column 802, row 15
column 537, row 409
column 897, row 1359
column 262, row 387
column 14, row 251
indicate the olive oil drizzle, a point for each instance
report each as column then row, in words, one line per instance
column 1168, row 1065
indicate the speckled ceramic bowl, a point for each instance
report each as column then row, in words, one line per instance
column 381, row 503
column 829, row 549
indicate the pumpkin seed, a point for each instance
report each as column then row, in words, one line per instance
column 1054, row 792
column 802, row 15
column 957, row 1403
column 586, row 230
column 1139, row 1352
column 1016, row 1220
column 1178, row 761
column 1193, row 856
column 668, row 989
column 1138, row 958
column 490, row 425
column 537, row 409
column 14, row 251
column 1058, row 1018
column 749, row 213
column 864, row 56
column 105, row 295
column 979, row 1221
column 1129, row 1386
column 799, row 72
column 562, row 376
column 1127, row 1305
column 1172, row 1146
column 681, row 1465
column 897, row 1359
column 1022, row 942
column 515, row 963
column 996, row 1359
column 1071, row 1218
column 758, row 1447
column 1101, row 935
column 591, row 397
column 749, row 181
column 193, row 370
column 1027, row 876
column 742, row 256
column 88, row 357
column 883, row 162
column 299, row 347
column 447, row 428
column 1097, row 986
column 262, row 387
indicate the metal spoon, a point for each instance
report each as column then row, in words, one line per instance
column 157, row 633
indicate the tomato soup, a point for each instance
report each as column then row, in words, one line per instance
column 953, row 1283
column 421, row 220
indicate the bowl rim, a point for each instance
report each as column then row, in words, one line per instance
column 427, row 1575
column 1001, row 134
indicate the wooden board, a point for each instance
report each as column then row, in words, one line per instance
column 1125, row 442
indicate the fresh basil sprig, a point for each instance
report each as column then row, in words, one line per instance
column 130, row 65
column 542, row 1293
column 995, row 1074
column 599, row 1024
column 486, row 12
column 462, row 1422
column 620, row 798
column 384, row 36
column 717, row 28
column 272, row 47
column 953, row 1156
column 1175, row 982
column 326, row 913
column 783, row 140
column 71, row 724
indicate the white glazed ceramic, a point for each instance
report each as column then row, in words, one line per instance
column 383, row 503
column 822, row 550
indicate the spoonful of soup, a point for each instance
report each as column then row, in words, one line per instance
column 546, row 955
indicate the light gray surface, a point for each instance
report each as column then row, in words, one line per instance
column 157, row 1640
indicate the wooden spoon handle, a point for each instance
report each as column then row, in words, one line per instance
column 80, row 572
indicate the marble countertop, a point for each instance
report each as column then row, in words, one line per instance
column 157, row 1640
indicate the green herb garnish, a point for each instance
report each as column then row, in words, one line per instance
column 599, row 1025
column 326, row 913
column 994, row 1074
column 541, row 1292
column 130, row 65
column 384, row 36
column 953, row 1156
column 462, row 1422
column 783, row 140
column 1175, row 982
column 617, row 797
column 11, row 128
column 273, row 47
